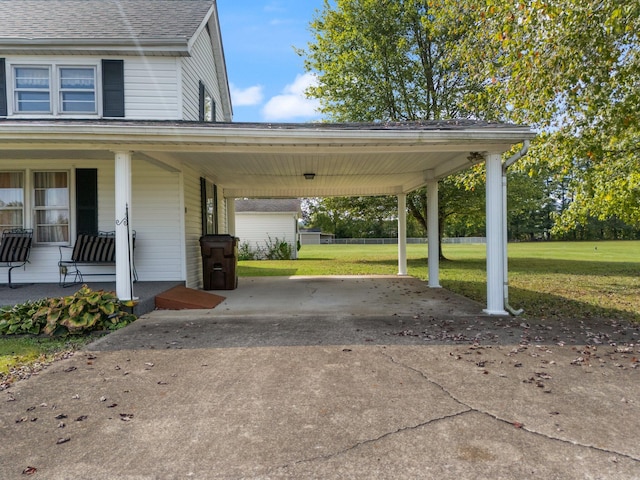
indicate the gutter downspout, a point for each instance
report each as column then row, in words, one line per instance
column 523, row 151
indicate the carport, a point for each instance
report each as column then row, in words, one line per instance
column 249, row 160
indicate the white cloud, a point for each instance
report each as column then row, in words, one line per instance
column 242, row 97
column 292, row 103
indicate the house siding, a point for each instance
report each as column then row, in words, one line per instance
column 192, row 228
column 199, row 67
column 155, row 215
column 151, row 88
column 150, row 83
column 255, row 228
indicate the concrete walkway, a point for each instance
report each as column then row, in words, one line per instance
column 342, row 377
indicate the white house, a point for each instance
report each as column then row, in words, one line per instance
column 116, row 115
column 263, row 221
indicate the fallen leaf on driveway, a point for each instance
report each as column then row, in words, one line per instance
column 63, row 440
column 29, row 471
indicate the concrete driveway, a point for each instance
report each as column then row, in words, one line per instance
column 341, row 377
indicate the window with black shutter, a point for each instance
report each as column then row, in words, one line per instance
column 3, row 88
column 113, row 88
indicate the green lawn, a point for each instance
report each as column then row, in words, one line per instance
column 548, row 279
column 24, row 350
column 551, row 280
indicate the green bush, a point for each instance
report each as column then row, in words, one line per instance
column 84, row 311
column 278, row 249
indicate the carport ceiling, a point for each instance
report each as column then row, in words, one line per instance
column 270, row 160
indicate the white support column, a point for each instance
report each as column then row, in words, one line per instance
column 231, row 216
column 124, row 276
column 495, row 242
column 402, row 234
column 433, row 234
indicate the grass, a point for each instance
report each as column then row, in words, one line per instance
column 547, row 279
column 16, row 351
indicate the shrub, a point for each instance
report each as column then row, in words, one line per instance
column 84, row 311
column 245, row 252
column 278, row 249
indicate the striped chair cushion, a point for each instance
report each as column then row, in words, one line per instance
column 15, row 247
column 91, row 248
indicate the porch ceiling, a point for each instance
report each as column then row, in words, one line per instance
column 270, row 160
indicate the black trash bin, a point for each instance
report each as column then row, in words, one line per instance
column 219, row 262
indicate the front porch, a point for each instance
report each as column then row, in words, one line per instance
column 145, row 292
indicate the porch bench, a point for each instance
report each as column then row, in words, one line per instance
column 90, row 249
column 15, row 249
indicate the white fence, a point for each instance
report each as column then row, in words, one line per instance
column 394, row 241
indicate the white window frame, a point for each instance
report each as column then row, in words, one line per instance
column 35, row 208
column 55, row 90
column 17, row 90
column 62, row 90
column 20, row 208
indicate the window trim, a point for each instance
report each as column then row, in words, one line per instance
column 34, row 208
column 17, row 90
column 23, row 207
column 55, row 92
column 62, row 90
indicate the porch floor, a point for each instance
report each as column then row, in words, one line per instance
column 145, row 291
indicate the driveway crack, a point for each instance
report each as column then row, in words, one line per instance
column 503, row 420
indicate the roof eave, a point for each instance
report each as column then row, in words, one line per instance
column 123, row 46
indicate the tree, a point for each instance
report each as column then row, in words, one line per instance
column 570, row 68
column 388, row 60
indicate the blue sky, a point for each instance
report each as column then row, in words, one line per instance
column 266, row 76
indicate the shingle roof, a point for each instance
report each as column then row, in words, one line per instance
column 102, row 19
column 268, row 205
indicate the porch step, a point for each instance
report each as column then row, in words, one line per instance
column 182, row 298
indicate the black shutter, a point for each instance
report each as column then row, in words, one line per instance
column 87, row 200
column 201, row 95
column 3, row 89
column 113, row 88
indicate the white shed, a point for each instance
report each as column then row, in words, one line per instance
column 262, row 222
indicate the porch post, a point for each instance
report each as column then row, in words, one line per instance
column 231, row 216
column 495, row 243
column 124, row 278
column 433, row 234
column 402, row 234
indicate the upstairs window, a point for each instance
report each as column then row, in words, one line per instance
column 72, row 90
column 207, row 104
column 33, row 89
column 77, row 90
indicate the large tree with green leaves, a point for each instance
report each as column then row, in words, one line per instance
column 572, row 69
column 387, row 60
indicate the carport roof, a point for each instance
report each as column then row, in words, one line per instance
column 270, row 159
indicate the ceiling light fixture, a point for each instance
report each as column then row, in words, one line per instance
column 309, row 176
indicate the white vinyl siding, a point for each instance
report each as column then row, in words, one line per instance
column 255, row 228
column 156, row 217
column 151, row 88
column 199, row 67
column 193, row 228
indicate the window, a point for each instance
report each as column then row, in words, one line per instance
column 207, row 105
column 32, row 89
column 73, row 90
column 78, row 90
column 51, row 207
column 11, row 200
